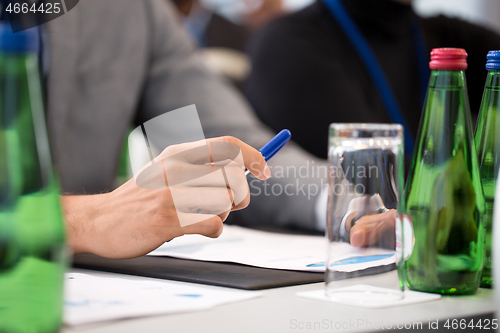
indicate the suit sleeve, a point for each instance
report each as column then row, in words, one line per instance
column 177, row 78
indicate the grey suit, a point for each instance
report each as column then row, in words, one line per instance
column 116, row 63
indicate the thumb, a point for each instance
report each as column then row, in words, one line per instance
column 211, row 227
column 358, row 236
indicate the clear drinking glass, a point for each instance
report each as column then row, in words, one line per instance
column 363, row 227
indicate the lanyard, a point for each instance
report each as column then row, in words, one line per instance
column 372, row 65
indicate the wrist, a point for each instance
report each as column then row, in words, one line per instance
column 79, row 214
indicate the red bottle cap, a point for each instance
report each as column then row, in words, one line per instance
column 448, row 59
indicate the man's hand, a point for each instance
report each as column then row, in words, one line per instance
column 373, row 230
column 133, row 220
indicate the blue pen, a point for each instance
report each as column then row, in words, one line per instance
column 274, row 145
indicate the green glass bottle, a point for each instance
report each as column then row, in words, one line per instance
column 32, row 242
column 443, row 195
column 488, row 150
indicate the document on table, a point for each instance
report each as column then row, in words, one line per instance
column 273, row 250
column 91, row 299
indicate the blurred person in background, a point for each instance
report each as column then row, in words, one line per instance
column 266, row 11
column 306, row 73
column 210, row 29
column 224, row 42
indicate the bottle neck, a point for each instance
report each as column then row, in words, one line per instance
column 11, row 62
column 18, row 72
column 447, row 79
column 490, row 105
column 493, row 80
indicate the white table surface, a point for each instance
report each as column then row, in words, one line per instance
column 280, row 310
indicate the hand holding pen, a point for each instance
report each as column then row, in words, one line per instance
column 134, row 220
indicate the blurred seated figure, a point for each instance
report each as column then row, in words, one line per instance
column 224, row 42
column 306, row 73
column 266, row 11
column 211, row 29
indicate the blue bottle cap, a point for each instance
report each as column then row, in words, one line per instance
column 493, row 62
column 22, row 41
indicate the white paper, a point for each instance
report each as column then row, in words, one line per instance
column 410, row 297
column 91, row 299
column 273, row 250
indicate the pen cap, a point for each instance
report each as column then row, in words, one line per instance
column 273, row 146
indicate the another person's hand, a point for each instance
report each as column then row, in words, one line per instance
column 133, row 220
column 373, row 230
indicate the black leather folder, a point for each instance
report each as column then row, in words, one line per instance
column 204, row 272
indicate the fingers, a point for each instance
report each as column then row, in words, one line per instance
column 253, row 159
column 206, row 179
column 377, row 229
column 182, row 177
column 359, row 236
column 243, row 204
column 202, row 200
column 196, row 152
column 194, row 205
column 232, row 177
column 223, row 216
column 189, row 161
column 209, row 200
column 180, row 172
column 237, row 182
column 219, row 149
column 211, row 227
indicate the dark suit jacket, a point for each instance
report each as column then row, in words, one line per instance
column 306, row 73
column 221, row 32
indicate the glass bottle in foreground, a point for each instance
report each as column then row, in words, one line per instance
column 32, row 245
column 444, row 198
column 488, row 150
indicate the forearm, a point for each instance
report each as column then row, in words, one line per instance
column 91, row 219
column 105, row 224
